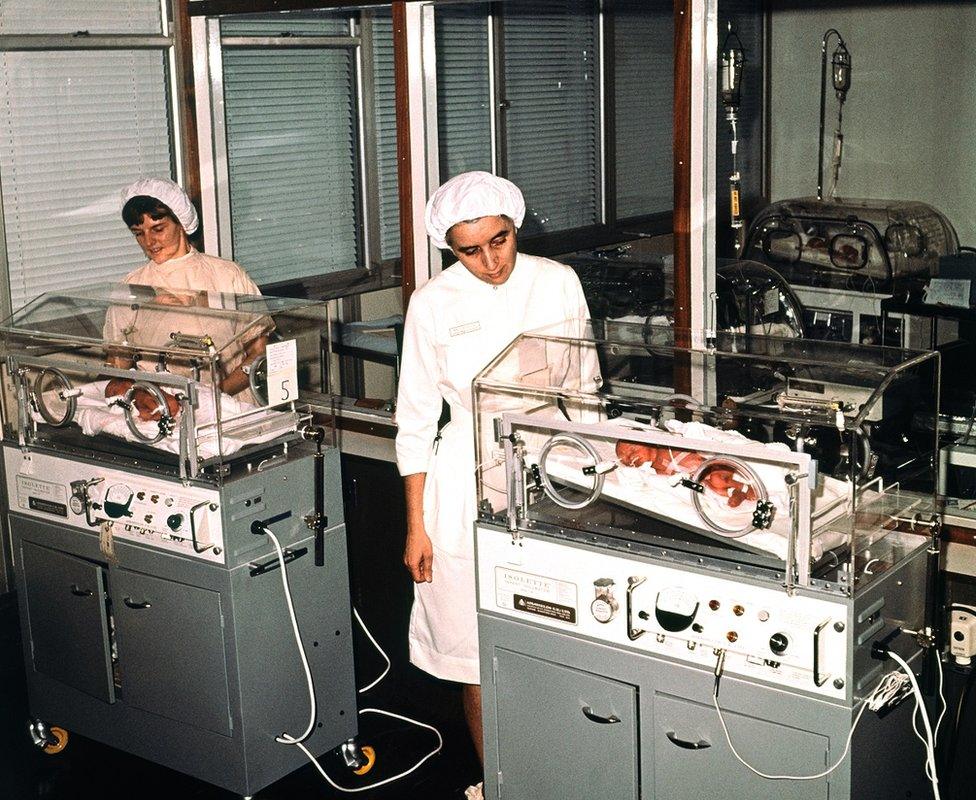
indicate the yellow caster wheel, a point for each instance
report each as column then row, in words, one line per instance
column 368, row 752
column 60, row 742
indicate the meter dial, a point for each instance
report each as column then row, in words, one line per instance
column 118, row 498
column 675, row 608
column 603, row 610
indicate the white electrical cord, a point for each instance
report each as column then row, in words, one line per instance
column 379, row 650
column 929, row 740
column 883, row 687
column 728, row 738
column 286, row 738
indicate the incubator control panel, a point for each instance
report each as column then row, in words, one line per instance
column 184, row 520
column 797, row 642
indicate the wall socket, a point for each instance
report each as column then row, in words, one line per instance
column 962, row 634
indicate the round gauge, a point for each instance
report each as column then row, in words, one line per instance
column 603, row 610
column 118, row 498
column 76, row 504
column 675, row 608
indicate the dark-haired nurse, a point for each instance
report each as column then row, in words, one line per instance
column 162, row 219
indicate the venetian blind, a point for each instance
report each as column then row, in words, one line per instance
column 384, row 116
column 552, row 125
column 463, row 100
column 643, row 72
column 75, row 127
column 292, row 161
column 71, row 16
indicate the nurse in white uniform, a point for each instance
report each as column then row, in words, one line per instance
column 162, row 218
column 456, row 323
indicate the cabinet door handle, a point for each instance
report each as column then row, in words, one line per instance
column 594, row 717
column 77, row 591
column 136, row 603
column 701, row 744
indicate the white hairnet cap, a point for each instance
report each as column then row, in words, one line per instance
column 168, row 193
column 471, row 195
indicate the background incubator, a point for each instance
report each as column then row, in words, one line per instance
column 150, row 555
column 659, row 519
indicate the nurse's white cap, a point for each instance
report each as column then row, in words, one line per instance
column 168, row 193
column 471, row 195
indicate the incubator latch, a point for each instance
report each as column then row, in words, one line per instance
column 762, row 517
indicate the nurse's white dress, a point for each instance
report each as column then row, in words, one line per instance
column 455, row 325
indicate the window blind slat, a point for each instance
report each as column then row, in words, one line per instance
column 75, row 127
column 292, row 155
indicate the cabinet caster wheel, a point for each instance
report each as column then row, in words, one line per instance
column 369, row 754
column 51, row 739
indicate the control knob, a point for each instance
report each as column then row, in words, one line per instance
column 778, row 643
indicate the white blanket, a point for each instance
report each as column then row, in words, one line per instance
column 95, row 416
column 664, row 497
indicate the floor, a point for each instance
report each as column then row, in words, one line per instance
column 382, row 592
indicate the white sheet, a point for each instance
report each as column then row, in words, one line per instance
column 95, row 416
column 642, row 488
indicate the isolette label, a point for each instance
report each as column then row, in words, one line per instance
column 536, row 594
column 37, row 495
column 282, row 372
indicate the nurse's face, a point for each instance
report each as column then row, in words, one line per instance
column 161, row 239
column 486, row 248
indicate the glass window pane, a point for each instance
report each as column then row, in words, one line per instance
column 75, row 127
column 643, row 40
column 292, row 158
column 70, row 16
column 552, row 125
column 463, row 99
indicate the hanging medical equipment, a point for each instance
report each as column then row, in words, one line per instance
column 840, row 72
column 730, row 80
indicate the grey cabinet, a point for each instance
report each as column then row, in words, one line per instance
column 567, row 733
column 690, row 750
column 569, row 718
column 67, row 619
column 172, row 635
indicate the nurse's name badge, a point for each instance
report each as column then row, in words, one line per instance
column 467, row 327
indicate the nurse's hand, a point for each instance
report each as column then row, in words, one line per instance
column 418, row 554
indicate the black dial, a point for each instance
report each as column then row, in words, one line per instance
column 778, row 643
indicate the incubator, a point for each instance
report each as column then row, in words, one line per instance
column 152, row 523
column 777, row 453
column 698, row 554
column 860, row 245
column 62, row 350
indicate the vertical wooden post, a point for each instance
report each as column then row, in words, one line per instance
column 682, row 164
column 187, row 121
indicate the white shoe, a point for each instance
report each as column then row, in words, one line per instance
column 474, row 792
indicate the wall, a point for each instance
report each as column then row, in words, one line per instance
column 910, row 115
